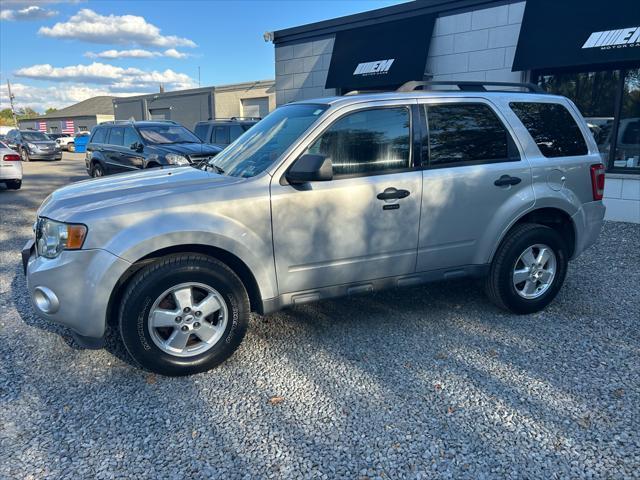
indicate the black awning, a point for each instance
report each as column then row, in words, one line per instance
column 571, row 34
column 382, row 55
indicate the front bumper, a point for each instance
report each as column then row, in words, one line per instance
column 588, row 222
column 74, row 288
column 57, row 155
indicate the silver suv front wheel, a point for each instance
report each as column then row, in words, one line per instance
column 183, row 314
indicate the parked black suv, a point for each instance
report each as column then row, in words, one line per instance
column 33, row 145
column 118, row 146
column 224, row 131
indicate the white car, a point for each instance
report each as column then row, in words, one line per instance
column 63, row 140
column 10, row 168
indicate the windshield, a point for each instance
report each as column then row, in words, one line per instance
column 35, row 137
column 263, row 143
column 164, row 134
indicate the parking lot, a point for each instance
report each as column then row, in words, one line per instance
column 428, row 382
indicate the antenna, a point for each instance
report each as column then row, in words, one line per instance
column 13, row 110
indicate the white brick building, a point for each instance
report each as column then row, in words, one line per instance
column 485, row 40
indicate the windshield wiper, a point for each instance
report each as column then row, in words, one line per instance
column 218, row 169
column 205, row 163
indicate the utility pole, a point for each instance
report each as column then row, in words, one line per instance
column 198, row 77
column 13, row 110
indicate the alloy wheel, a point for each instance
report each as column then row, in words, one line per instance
column 534, row 271
column 188, row 319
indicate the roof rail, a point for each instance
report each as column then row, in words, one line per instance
column 130, row 122
column 115, row 122
column 468, row 86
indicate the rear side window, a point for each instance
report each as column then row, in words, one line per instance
column 367, row 142
column 116, row 136
column 130, row 137
column 466, row 133
column 201, row 131
column 99, row 136
column 552, row 128
column 220, row 135
column 234, row 132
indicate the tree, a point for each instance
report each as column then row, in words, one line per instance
column 26, row 112
column 50, row 110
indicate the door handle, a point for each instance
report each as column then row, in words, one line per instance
column 505, row 180
column 392, row 193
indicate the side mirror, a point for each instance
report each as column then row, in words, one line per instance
column 136, row 146
column 310, row 168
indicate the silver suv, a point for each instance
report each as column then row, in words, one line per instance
column 322, row 198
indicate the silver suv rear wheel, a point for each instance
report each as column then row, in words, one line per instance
column 534, row 271
column 528, row 268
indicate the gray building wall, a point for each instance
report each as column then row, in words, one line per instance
column 301, row 70
column 478, row 45
column 186, row 108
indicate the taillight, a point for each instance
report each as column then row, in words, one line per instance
column 597, row 181
column 11, row 157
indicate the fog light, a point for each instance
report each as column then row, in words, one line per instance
column 46, row 300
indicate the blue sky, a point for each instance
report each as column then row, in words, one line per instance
column 56, row 53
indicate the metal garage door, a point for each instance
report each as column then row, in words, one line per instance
column 255, row 107
column 160, row 114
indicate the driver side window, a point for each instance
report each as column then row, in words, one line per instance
column 371, row 141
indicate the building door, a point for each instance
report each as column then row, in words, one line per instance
column 361, row 225
column 255, row 107
column 160, row 114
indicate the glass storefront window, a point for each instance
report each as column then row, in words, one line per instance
column 610, row 103
column 627, row 153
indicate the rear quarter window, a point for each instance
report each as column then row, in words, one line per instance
column 552, row 128
column 99, row 136
column 201, row 131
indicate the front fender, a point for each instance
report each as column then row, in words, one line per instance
column 251, row 246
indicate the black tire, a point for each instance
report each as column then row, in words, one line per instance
column 97, row 170
column 14, row 184
column 499, row 284
column 24, row 155
column 71, row 147
column 150, row 283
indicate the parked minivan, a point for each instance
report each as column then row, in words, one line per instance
column 323, row 198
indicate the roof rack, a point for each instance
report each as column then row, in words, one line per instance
column 130, row 122
column 468, row 86
column 233, row 119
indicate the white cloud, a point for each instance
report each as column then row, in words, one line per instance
column 173, row 53
column 90, row 26
column 41, row 98
column 32, row 12
column 133, row 53
column 117, row 78
column 136, row 53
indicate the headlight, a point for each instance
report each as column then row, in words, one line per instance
column 53, row 237
column 174, row 159
column 32, row 146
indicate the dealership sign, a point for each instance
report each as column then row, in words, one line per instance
column 578, row 35
column 620, row 38
column 380, row 56
column 379, row 67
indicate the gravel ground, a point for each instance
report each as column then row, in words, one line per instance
column 430, row 382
